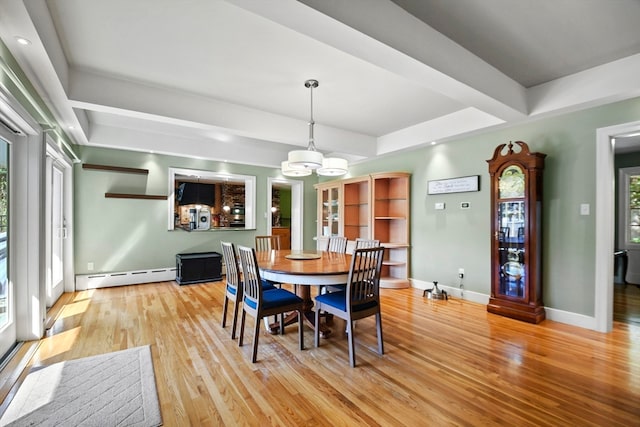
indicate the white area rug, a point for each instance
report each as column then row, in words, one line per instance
column 113, row 389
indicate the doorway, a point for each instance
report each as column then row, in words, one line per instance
column 296, row 211
column 605, row 227
column 56, row 230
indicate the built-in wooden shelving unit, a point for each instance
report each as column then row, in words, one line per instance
column 390, row 194
column 376, row 207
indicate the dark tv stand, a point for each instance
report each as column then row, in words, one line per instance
column 198, row 267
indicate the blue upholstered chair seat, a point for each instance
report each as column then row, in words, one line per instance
column 266, row 286
column 275, row 298
column 339, row 301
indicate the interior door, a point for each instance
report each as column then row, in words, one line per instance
column 56, row 234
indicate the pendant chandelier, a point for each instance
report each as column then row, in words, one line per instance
column 303, row 162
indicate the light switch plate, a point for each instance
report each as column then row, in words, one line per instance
column 584, row 209
column 439, row 206
column 465, row 205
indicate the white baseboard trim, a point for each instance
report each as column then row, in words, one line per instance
column 574, row 319
column 105, row 280
column 452, row 291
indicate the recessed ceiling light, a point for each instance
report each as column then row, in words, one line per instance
column 71, row 127
column 23, row 41
column 433, row 143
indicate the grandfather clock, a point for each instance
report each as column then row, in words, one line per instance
column 516, row 210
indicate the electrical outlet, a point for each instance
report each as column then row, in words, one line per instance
column 90, row 266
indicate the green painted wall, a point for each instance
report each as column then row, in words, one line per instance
column 443, row 241
column 124, row 234
column 285, row 207
column 131, row 234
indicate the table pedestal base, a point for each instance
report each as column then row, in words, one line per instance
column 308, row 315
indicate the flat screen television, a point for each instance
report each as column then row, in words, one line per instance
column 195, row 193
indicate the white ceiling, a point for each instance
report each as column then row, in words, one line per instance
column 225, row 79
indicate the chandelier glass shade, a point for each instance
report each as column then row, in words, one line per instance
column 302, row 162
column 287, row 170
column 333, row 166
column 305, row 159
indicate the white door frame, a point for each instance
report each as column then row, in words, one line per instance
column 297, row 208
column 64, row 163
column 605, row 230
column 55, row 235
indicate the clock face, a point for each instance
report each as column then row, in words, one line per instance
column 511, row 183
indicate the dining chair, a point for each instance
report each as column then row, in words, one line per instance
column 234, row 287
column 260, row 304
column 267, row 243
column 337, row 244
column 360, row 299
column 322, row 243
column 366, row 243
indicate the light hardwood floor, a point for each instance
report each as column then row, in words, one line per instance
column 446, row 363
column 626, row 303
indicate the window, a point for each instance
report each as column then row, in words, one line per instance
column 629, row 206
column 206, row 200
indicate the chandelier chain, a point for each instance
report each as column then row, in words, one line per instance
column 311, row 84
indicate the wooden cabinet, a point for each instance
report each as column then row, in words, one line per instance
column 285, row 236
column 329, row 202
column 516, row 209
column 371, row 207
column 391, row 226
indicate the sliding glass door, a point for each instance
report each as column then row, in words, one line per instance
column 7, row 299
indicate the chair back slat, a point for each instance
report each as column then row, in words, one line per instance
column 366, row 243
column 363, row 284
column 231, row 265
column 337, row 244
column 322, row 243
column 267, row 243
column 251, row 276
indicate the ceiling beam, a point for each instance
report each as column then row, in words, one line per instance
column 381, row 33
column 97, row 92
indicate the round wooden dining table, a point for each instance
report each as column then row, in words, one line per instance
column 304, row 269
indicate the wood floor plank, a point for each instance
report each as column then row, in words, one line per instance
column 445, row 363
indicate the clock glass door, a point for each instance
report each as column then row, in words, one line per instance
column 512, row 268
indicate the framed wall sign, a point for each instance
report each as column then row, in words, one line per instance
column 462, row 184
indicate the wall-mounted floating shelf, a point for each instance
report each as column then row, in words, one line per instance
column 121, row 169
column 134, row 196
column 115, row 169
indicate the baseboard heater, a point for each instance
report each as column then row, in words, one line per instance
column 105, row 280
